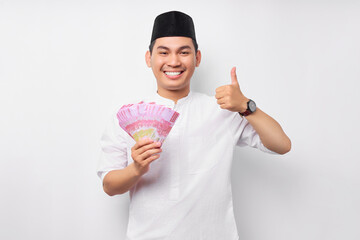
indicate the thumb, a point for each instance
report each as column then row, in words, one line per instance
column 233, row 76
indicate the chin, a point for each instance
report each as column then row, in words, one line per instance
column 176, row 87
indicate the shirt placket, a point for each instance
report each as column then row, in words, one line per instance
column 175, row 168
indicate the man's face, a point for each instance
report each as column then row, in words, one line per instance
column 173, row 61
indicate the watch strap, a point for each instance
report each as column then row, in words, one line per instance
column 246, row 113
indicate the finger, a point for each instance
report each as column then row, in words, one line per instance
column 154, row 145
column 142, row 142
column 149, row 153
column 151, row 159
column 220, row 89
column 223, row 106
column 233, row 76
column 139, row 155
column 221, row 101
column 220, row 95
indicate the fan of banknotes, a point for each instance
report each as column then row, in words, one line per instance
column 147, row 120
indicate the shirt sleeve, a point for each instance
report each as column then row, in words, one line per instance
column 247, row 136
column 113, row 148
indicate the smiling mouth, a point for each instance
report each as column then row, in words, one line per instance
column 173, row 73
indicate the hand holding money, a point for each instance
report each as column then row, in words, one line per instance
column 143, row 153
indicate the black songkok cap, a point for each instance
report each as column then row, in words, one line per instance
column 171, row 24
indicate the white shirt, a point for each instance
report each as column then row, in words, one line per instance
column 186, row 194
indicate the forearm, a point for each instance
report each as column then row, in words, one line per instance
column 120, row 181
column 271, row 134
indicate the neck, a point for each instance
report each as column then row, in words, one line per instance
column 174, row 95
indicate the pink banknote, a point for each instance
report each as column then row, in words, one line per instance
column 147, row 120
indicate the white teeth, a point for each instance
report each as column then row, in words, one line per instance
column 172, row 73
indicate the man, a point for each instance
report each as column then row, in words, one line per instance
column 182, row 189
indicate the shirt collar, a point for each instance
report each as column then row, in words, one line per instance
column 168, row 102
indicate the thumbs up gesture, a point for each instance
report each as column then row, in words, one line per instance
column 230, row 96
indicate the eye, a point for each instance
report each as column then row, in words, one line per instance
column 162, row 53
column 184, row 53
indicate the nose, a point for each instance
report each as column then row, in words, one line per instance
column 173, row 60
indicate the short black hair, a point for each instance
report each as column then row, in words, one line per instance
column 151, row 46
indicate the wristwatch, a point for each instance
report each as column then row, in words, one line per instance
column 251, row 107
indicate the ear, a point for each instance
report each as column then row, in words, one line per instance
column 198, row 58
column 148, row 58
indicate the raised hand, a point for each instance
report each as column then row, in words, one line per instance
column 230, row 96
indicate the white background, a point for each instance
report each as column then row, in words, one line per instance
column 65, row 65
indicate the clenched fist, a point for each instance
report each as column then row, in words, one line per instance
column 143, row 153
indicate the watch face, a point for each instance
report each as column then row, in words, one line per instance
column 252, row 106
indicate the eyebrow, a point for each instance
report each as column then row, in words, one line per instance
column 180, row 48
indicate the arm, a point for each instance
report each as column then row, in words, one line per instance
column 270, row 132
column 120, row 181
